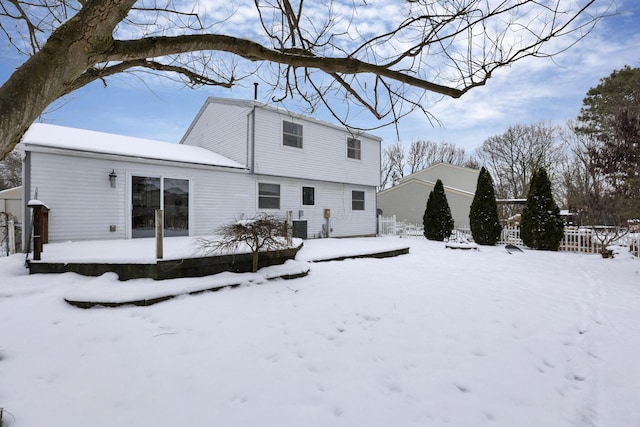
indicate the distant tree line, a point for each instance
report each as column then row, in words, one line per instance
column 399, row 161
column 592, row 163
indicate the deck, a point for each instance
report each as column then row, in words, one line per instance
column 132, row 259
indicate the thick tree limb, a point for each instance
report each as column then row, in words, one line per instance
column 376, row 73
column 162, row 46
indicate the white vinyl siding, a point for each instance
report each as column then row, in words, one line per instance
column 335, row 196
column 252, row 134
column 223, row 129
column 407, row 202
column 83, row 205
column 323, row 157
column 84, row 209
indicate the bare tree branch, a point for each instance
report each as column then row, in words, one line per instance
column 318, row 50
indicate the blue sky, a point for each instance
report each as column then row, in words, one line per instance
column 530, row 91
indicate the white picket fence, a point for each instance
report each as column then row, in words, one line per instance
column 9, row 235
column 584, row 240
column 389, row 226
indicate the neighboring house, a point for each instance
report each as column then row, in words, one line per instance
column 11, row 202
column 238, row 158
column 407, row 199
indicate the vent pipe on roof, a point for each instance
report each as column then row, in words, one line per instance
column 255, row 91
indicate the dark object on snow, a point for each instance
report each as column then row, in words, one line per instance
column 607, row 253
column 512, row 248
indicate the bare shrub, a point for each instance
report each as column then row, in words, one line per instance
column 264, row 232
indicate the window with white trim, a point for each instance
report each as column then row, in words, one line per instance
column 308, row 196
column 357, row 200
column 268, row 196
column 291, row 134
column 354, row 150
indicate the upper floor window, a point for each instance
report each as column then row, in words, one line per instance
column 357, row 200
column 268, row 196
column 291, row 134
column 308, row 196
column 354, row 150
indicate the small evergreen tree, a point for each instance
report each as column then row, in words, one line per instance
column 541, row 226
column 437, row 219
column 483, row 216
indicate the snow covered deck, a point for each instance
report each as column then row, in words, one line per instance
column 142, row 251
column 133, row 259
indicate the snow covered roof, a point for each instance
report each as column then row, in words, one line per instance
column 53, row 136
column 10, row 193
column 427, row 183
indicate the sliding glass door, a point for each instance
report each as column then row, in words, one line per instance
column 151, row 193
column 176, row 207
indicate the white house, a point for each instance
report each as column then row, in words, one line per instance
column 310, row 167
column 407, row 199
column 238, row 158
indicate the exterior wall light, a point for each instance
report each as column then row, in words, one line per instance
column 112, row 178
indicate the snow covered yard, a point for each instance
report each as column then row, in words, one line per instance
column 437, row 337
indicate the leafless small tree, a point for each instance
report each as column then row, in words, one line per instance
column 443, row 152
column 583, row 185
column 264, row 232
column 607, row 236
column 515, row 155
column 394, row 163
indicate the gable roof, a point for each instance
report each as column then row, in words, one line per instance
column 429, row 170
column 11, row 193
column 456, row 177
column 88, row 141
column 245, row 103
column 425, row 183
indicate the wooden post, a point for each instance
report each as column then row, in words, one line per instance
column 40, row 226
column 37, row 229
column 159, row 232
column 11, row 232
column 289, row 227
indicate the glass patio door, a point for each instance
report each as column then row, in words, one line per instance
column 145, row 199
column 151, row 193
column 176, row 207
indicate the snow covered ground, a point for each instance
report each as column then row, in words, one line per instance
column 437, row 337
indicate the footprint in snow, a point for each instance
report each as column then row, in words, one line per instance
column 462, row 388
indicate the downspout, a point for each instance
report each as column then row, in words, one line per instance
column 251, row 135
column 252, row 139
